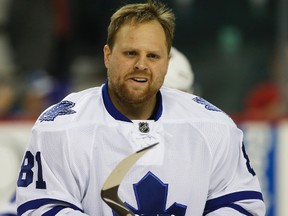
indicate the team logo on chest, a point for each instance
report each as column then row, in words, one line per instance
column 144, row 127
column 151, row 196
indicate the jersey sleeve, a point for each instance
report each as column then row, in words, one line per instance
column 234, row 187
column 46, row 185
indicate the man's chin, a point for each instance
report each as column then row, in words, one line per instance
column 136, row 96
column 135, row 100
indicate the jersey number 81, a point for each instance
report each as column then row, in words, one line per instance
column 26, row 173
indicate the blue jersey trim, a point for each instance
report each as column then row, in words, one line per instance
column 54, row 210
column 240, row 209
column 34, row 204
column 233, row 206
column 119, row 116
column 158, row 108
column 227, row 201
column 110, row 107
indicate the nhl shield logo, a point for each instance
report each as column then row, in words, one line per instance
column 144, row 127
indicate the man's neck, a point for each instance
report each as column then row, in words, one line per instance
column 140, row 111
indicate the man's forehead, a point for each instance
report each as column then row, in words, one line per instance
column 133, row 36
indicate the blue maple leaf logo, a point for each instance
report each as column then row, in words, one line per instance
column 62, row 108
column 207, row 105
column 151, row 195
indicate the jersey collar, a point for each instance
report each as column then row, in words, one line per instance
column 119, row 116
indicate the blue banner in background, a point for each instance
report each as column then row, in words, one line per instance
column 260, row 140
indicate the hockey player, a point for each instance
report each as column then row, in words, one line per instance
column 179, row 75
column 192, row 163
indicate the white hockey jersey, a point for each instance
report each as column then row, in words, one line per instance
column 199, row 167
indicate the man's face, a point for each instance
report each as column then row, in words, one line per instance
column 137, row 63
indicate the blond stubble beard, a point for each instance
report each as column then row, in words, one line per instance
column 130, row 96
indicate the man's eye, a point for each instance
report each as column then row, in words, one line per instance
column 153, row 56
column 130, row 53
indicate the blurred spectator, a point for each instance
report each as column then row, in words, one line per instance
column 40, row 33
column 266, row 100
column 263, row 102
column 36, row 94
column 7, row 96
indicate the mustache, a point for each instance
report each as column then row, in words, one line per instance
column 139, row 73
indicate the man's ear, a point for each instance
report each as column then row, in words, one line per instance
column 107, row 53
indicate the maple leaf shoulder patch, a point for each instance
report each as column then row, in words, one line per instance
column 62, row 108
column 206, row 104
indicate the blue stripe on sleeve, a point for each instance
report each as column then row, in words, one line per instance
column 229, row 199
column 233, row 206
column 54, row 211
column 34, row 204
column 240, row 209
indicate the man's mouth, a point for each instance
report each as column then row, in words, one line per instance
column 137, row 79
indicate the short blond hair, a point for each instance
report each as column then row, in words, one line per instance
column 140, row 13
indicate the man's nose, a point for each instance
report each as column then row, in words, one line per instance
column 141, row 64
